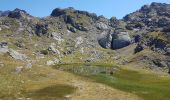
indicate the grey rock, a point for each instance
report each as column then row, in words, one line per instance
column 19, row 69
column 4, row 47
column 16, row 55
column 120, row 40
column 40, row 56
column 81, row 28
column 52, row 48
column 52, row 62
column 105, row 39
column 138, row 48
column 70, row 20
column 1, row 64
column 79, row 41
column 72, row 29
column 101, row 26
column 41, row 29
column 115, row 23
column 58, row 12
column 103, row 19
column 57, row 37
column 167, row 50
column 28, row 65
column 137, row 38
column 159, row 63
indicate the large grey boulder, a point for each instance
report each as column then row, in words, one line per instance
column 114, row 40
column 120, row 40
column 105, row 39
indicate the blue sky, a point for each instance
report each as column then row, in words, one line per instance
column 108, row 8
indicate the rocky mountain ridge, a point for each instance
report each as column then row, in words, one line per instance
column 68, row 31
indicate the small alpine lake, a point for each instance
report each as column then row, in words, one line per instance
column 147, row 86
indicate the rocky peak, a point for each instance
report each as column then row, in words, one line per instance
column 156, row 15
column 4, row 13
column 114, row 22
column 69, row 11
column 18, row 14
column 58, row 12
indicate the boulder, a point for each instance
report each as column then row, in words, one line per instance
column 103, row 19
column 167, row 50
column 52, row 62
column 4, row 47
column 70, row 20
column 57, row 12
column 105, row 39
column 28, row 65
column 159, row 63
column 72, row 29
column 120, row 40
column 16, row 55
column 81, row 27
column 40, row 56
column 138, row 48
column 101, row 26
column 79, row 41
column 57, row 37
column 1, row 64
column 53, row 49
column 41, row 29
column 137, row 38
column 19, row 69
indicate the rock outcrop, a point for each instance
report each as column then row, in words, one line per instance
column 147, row 16
column 68, row 30
column 18, row 14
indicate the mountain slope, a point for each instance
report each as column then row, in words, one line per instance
column 30, row 45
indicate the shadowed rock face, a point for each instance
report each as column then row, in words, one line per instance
column 105, row 39
column 120, row 40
